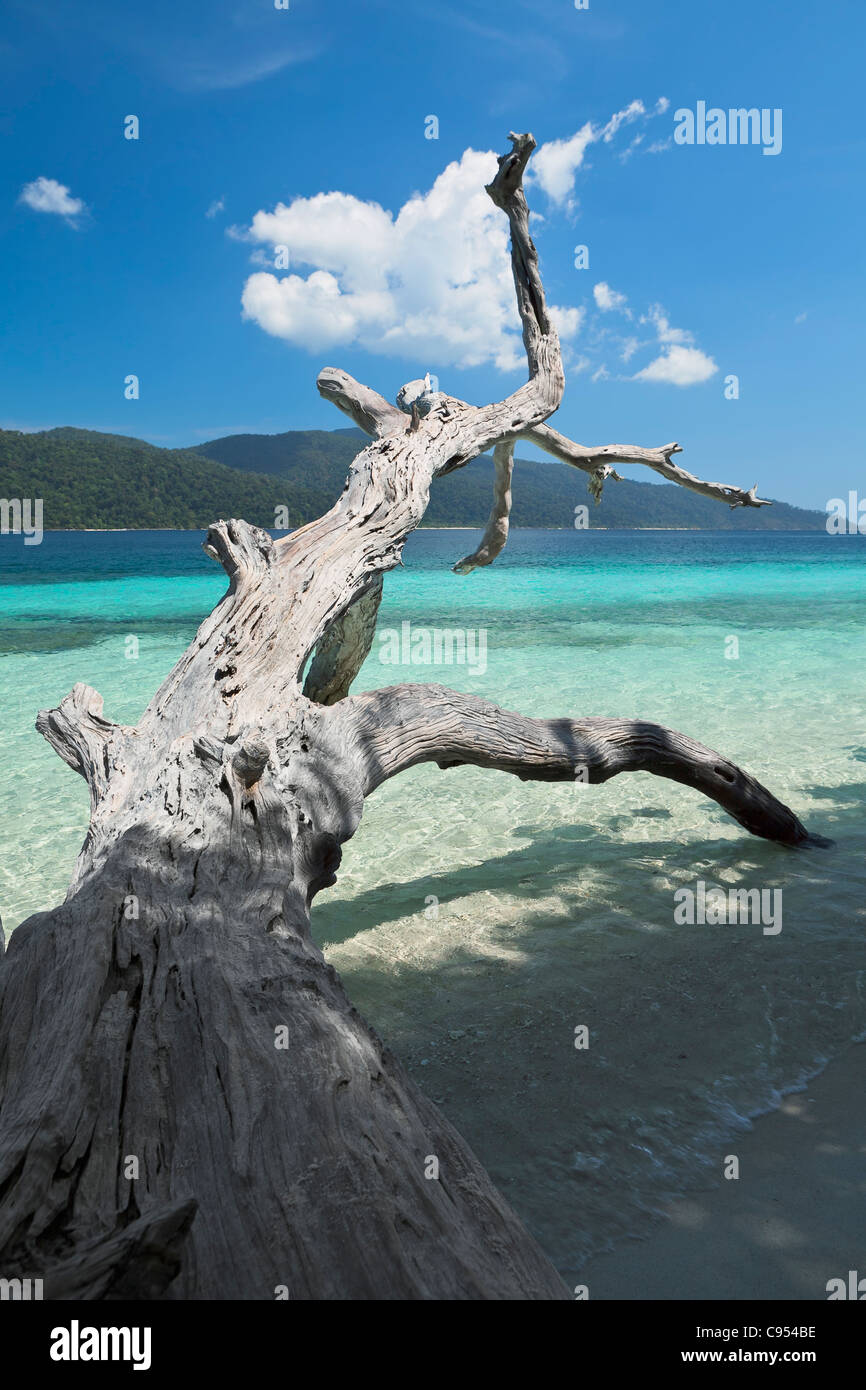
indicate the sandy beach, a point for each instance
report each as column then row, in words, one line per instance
column 794, row 1219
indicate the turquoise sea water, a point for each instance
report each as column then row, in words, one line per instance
column 478, row 920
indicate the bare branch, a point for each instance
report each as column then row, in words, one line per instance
column 591, row 459
column 506, row 190
column 244, row 551
column 370, row 411
column 403, row 725
column 496, row 531
column 598, row 463
column 542, row 393
column 81, row 736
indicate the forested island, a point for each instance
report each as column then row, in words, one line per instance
column 90, row 480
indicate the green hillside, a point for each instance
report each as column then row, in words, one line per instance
column 87, row 479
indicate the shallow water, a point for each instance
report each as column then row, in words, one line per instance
column 478, row 920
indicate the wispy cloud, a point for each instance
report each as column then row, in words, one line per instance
column 680, row 362
column 216, row 207
column 220, row 46
column 193, row 73
column 557, row 161
column 534, row 43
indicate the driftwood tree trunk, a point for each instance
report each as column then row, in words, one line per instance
column 190, row 1107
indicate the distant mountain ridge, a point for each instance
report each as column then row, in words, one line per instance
column 88, row 479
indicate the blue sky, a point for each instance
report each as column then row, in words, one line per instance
column 306, row 128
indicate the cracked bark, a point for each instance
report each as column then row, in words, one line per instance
column 190, row 1107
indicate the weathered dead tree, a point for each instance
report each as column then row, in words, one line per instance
column 189, row 1105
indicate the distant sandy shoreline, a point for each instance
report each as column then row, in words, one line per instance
column 696, row 530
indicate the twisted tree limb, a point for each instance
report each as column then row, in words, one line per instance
column 395, row 728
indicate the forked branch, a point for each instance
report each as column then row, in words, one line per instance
column 374, row 414
column 591, row 459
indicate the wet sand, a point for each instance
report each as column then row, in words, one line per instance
column 794, row 1219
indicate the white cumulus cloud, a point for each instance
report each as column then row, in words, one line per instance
column 432, row 283
column 679, row 366
column 47, row 195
